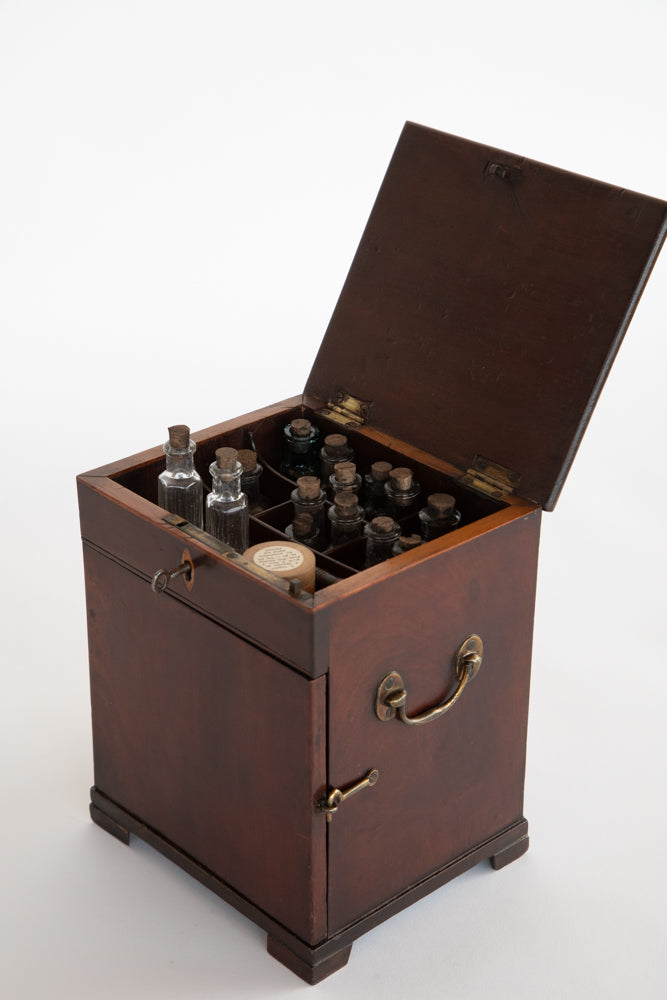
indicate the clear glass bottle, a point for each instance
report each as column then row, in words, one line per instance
column 308, row 498
column 302, row 530
column 381, row 533
column 336, row 449
column 402, row 492
column 345, row 479
column 346, row 518
column 406, row 543
column 375, row 498
column 250, row 480
column 439, row 516
column 301, row 449
column 179, row 488
column 226, row 504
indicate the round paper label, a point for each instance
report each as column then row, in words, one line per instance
column 278, row 558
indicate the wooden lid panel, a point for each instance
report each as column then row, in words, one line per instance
column 485, row 304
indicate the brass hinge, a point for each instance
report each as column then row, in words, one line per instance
column 491, row 478
column 346, row 409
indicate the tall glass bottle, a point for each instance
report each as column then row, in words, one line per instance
column 308, row 498
column 226, row 504
column 381, row 535
column 179, row 487
column 375, row 498
column 346, row 518
column 402, row 492
column 345, row 479
column 439, row 516
column 336, row 449
column 301, row 446
column 250, row 480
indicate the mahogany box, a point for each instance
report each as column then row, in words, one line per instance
column 233, row 713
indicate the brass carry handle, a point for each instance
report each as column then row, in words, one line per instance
column 391, row 694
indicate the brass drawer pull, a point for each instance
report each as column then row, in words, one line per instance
column 163, row 577
column 391, row 695
column 329, row 803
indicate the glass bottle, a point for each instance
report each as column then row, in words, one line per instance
column 336, row 449
column 402, row 492
column 381, row 533
column 439, row 516
column 302, row 530
column 375, row 498
column 309, row 498
column 226, row 504
column 301, row 445
column 250, row 480
column 179, row 488
column 346, row 517
column 406, row 543
column 345, row 479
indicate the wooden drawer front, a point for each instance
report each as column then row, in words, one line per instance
column 210, row 742
column 447, row 786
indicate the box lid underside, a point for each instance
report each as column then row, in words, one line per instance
column 485, row 304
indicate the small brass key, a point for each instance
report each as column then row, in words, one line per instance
column 329, row 804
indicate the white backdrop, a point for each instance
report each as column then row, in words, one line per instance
column 182, row 188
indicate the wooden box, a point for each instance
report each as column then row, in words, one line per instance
column 233, row 713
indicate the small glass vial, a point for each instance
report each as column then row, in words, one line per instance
column 302, row 530
column 406, row 543
column 439, row 516
column 402, row 492
column 179, row 488
column 308, row 498
column 345, row 479
column 226, row 504
column 375, row 498
column 336, row 449
column 381, row 533
column 301, row 441
column 346, row 517
column 250, row 480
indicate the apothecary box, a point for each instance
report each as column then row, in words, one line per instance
column 247, row 729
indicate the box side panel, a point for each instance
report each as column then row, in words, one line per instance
column 210, row 742
column 452, row 784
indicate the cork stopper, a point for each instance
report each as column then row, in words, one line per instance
column 248, row 459
column 308, row 487
column 440, row 504
column 407, row 542
column 346, row 504
column 300, row 427
column 380, row 471
column 383, row 525
column 302, row 525
column 336, row 445
column 401, row 478
column 345, row 473
column 226, row 459
column 179, row 436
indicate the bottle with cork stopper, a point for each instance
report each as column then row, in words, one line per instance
column 375, row 498
column 250, row 480
column 308, row 498
column 346, row 518
column 406, row 543
column 179, row 488
column 301, row 445
column 345, row 479
column 336, row 449
column 439, row 516
column 226, row 504
column 381, row 533
column 402, row 492
column 303, row 530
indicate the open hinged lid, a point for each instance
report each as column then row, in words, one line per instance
column 485, row 305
